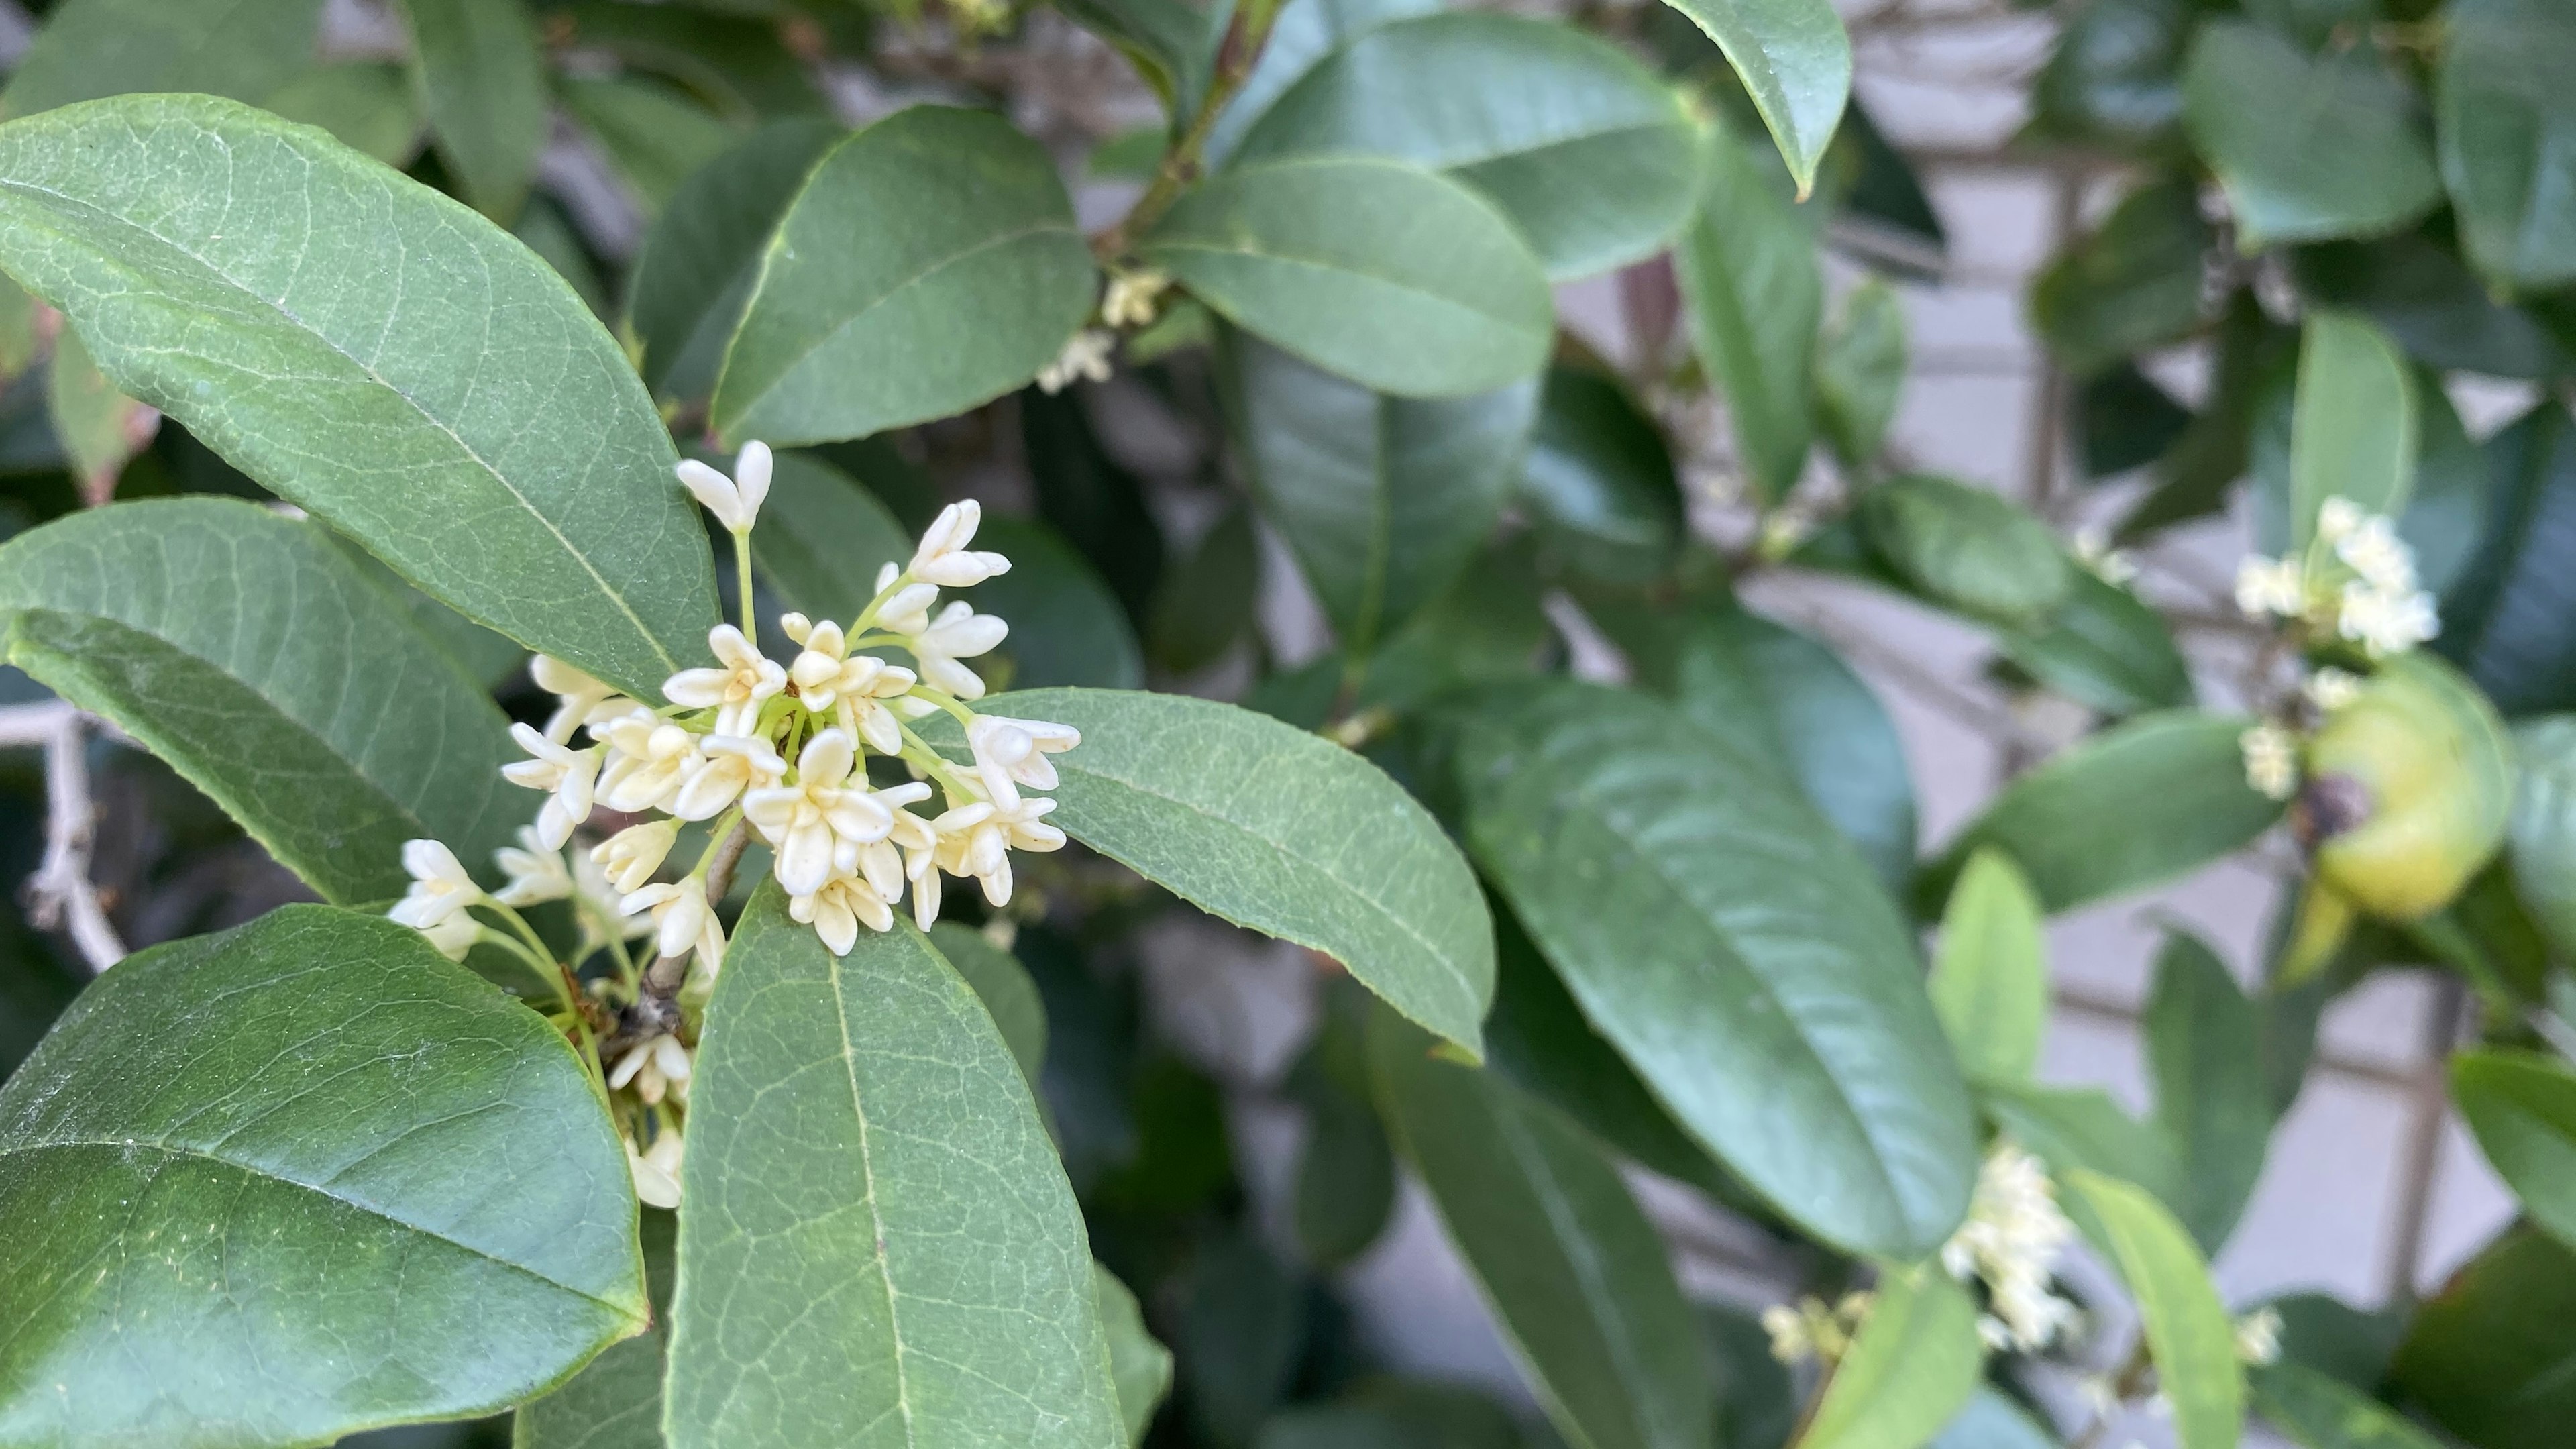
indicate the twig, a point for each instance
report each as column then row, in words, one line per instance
column 59, row 894
column 656, row 1009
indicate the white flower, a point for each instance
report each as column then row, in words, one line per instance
column 906, row 610
column 1790, row 1341
column 657, row 1170
column 535, row 870
column 735, row 501
column 728, row 766
column 735, row 691
column 2258, row 1337
column 682, row 920
column 440, row 888
column 2337, row 518
column 920, row 845
column 632, row 855
column 943, row 557
column 2385, row 623
column 837, row 910
column 2012, row 1239
column 976, row 839
column 2330, row 689
column 1016, row 750
column 958, row 633
column 2271, row 760
column 455, row 936
column 657, row 1066
column 1085, row 354
column 2373, row 550
column 570, row 775
column 1809, row 1329
column 648, row 758
column 828, row 679
column 2271, row 588
column 1132, row 298
column 581, row 696
column 606, row 899
column 808, row 823
column 2111, row 565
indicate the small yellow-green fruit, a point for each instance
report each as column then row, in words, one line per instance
column 2409, row 787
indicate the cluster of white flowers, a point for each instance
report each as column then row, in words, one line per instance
column 779, row 750
column 1812, row 1329
column 2271, row 759
column 1131, row 301
column 2094, row 550
column 2012, row 1239
column 2357, row 582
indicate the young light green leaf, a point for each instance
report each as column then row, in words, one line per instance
column 1383, row 499
column 2104, row 648
column 1795, row 61
column 2188, row 1332
column 1584, row 149
column 1395, row 277
column 1967, row 548
column 2522, row 1106
column 2322, row 1412
column 1328, row 853
column 2135, row 806
column 99, row 428
column 368, row 105
column 2352, row 429
column 616, row 1401
column 1003, row 985
column 251, row 654
column 324, row 1116
column 2492, row 1357
column 2309, row 148
column 1748, row 273
column 837, row 1258
column 1732, row 947
column 2134, row 284
column 1066, row 627
column 1140, row 1367
column 1990, row 978
column 1860, row 369
column 1599, row 481
column 702, row 255
column 2541, row 843
column 2205, row 1046
column 2508, row 129
column 822, row 539
column 1909, row 1370
column 654, row 136
column 92, row 48
column 340, row 350
column 1571, row 1268
column 482, row 83
column 859, row 324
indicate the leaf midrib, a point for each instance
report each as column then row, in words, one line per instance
column 876, row 1214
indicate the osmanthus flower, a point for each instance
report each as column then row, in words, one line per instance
column 852, row 688
column 655, row 1067
column 535, row 871
column 818, row 824
column 580, row 699
column 838, row 908
column 440, row 888
column 1016, row 751
column 568, row 775
column 958, row 632
column 2271, row 760
column 2356, row 582
column 942, row 557
column 976, row 839
column 1085, row 355
column 735, row 501
column 1133, row 297
column 1812, row 1329
column 728, row 767
column 2012, row 1239
column 648, row 757
column 682, row 920
column 656, row 1170
column 736, row 691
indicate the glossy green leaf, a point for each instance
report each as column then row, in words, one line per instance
column 2492, row 1357
column 339, row 351
column 2353, row 428
column 738, row 62
column 1168, row 41
column 1240, row 1337
column 2416, row 286
column 1588, row 153
column 822, row 539
column 482, row 84
column 1967, row 548
column 2188, row 1332
column 838, row 1256
column 1753, row 295
column 2104, row 648
column 1395, row 277
column 2308, row 148
column 2522, row 1106
column 254, row 657
column 368, row 106
column 2125, row 420
column 2504, row 622
column 2132, row 807
column 2541, row 844
column 1572, row 1270
column 1207, row 601
column 1328, row 853
column 324, row 1117
column 1301, row 37
column 1990, row 977
column 654, row 136
column 1345, row 1185
column 100, row 429
column 1992, row 1421
column 702, row 255
column 2081, row 1127
column 1490, row 625
column 2134, row 284
column 1003, row 985
column 2204, row 1045
column 616, row 1401
column 2508, row 137
column 1382, row 499
column 1598, row 480
column 1909, row 1370
column 1139, row 1367
column 2320, row 1412
column 1066, row 627
column 1734, row 949
column 2114, row 78
column 92, row 48
column 1796, row 63
column 930, row 264
column 1860, row 369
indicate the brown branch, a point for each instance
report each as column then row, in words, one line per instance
column 59, row 894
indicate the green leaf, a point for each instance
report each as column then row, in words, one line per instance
column 655, row 137
column 2081, row 1127
column 236, row 1151
column 1990, row 978
column 1382, row 499
column 2308, row 148
column 1345, row 1186
column 2446, row 510
column 2135, row 806
column 2415, row 285
column 1490, row 625
column 2522, row 1106
column 1588, row 153
column 615, row 1402
column 1573, row 1272
column 1909, row 1370
column 838, row 1257
column 1087, row 495
column 1993, row 1421
column 249, row 652
column 100, row 429
column 2541, row 843
column 2134, row 284
column 1328, row 852
column 1010, row 997
column 1066, row 627
column 2124, row 420
column 1599, row 481
column 368, row 105
column 1139, row 1367
column 857, row 326
column 482, row 84
column 2352, row 430
column 2508, row 137
column 702, row 255
column 1753, row 294
column 2492, row 1357
column 2114, row 78
column 1241, row 1337
column 1860, row 369
column 1170, row 42
column 1967, row 548
column 822, row 538
column 1734, row 949
column 1796, row 63
column 1208, row 599
column 2188, row 1332
column 738, row 63
column 2321, row 1412
column 1303, row 35
column 1397, row 278
column 326, row 326
column 2204, row 1044
column 2104, row 648
column 92, row 48
column 2505, row 622
column 544, row 229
